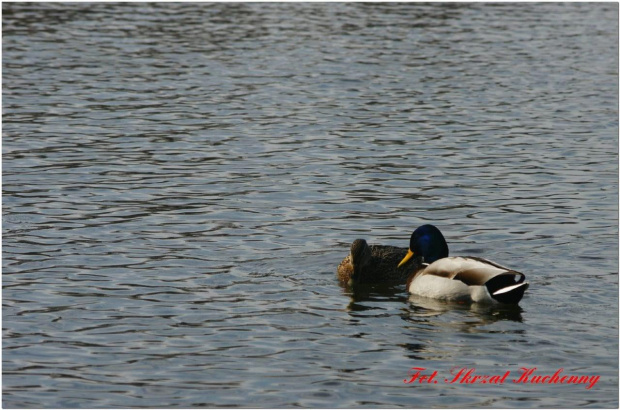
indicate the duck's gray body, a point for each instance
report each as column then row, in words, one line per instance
column 374, row 264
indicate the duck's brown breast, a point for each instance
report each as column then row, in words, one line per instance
column 345, row 270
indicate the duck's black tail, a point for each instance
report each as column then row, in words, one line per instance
column 506, row 289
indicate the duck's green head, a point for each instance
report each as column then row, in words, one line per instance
column 428, row 242
column 360, row 256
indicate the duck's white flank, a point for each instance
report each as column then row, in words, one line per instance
column 448, row 289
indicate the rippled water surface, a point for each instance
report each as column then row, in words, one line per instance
column 180, row 181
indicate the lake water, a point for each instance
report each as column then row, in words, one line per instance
column 180, row 181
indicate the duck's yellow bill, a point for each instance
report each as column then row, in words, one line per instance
column 406, row 258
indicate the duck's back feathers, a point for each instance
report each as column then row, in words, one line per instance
column 384, row 264
column 470, row 270
column 484, row 280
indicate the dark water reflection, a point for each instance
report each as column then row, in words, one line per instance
column 181, row 180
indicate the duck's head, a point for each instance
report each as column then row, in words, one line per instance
column 360, row 256
column 428, row 242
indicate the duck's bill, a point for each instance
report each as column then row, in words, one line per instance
column 406, row 258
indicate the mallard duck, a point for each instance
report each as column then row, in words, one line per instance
column 374, row 264
column 458, row 278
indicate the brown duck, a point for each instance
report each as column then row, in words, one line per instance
column 375, row 264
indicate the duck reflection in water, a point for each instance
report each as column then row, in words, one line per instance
column 421, row 308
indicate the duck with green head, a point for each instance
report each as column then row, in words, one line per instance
column 458, row 278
